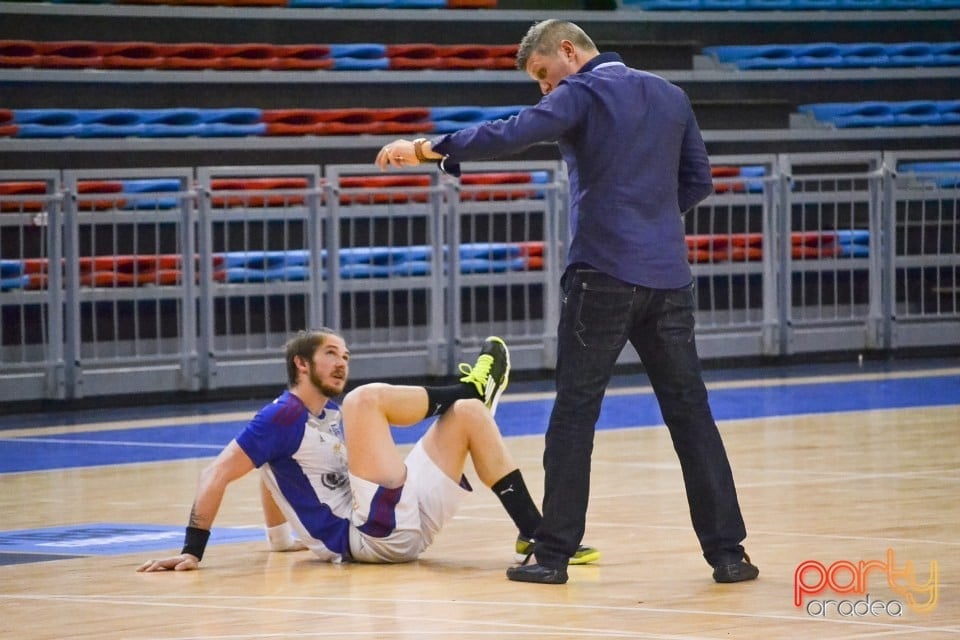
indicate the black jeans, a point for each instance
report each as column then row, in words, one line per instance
column 600, row 314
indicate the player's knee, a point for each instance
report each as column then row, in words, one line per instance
column 471, row 414
column 364, row 397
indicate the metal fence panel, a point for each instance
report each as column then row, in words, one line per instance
column 385, row 285
column 128, row 247
column 830, row 243
column 31, row 286
column 924, row 228
column 259, row 240
column 505, row 258
column 122, row 281
column 731, row 246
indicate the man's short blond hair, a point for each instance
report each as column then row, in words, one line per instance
column 545, row 37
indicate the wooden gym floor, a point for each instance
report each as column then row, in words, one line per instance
column 835, row 464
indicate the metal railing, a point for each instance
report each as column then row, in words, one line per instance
column 193, row 278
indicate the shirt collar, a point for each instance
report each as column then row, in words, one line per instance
column 601, row 59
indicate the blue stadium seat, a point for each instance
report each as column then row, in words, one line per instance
column 14, row 282
column 847, row 114
column 949, row 111
column 769, row 4
column 911, row 54
column 664, row 5
column 9, row 268
column 722, row 5
column 865, row 54
column 889, row 114
column 946, row 54
column 818, row 55
column 316, row 4
column 47, row 117
column 151, row 186
column 916, row 113
column 366, row 50
column 346, row 63
column 945, row 174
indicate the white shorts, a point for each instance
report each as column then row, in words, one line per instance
column 396, row 525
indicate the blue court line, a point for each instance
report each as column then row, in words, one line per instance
column 516, row 418
column 100, row 539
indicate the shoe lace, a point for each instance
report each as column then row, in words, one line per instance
column 478, row 373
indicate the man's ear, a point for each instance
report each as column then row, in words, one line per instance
column 301, row 362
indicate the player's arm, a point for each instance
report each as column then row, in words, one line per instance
column 232, row 463
column 280, row 535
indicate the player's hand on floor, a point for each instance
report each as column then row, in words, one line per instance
column 182, row 562
column 283, row 545
column 297, row 545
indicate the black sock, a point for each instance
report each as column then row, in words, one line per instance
column 513, row 494
column 440, row 398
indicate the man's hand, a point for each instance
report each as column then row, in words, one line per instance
column 399, row 153
column 182, row 562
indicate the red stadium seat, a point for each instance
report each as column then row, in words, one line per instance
column 496, row 179
column 196, row 55
column 72, row 54
column 724, row 171
column 303, row 56
column 413, row 56
column 257, row 185
column 133, row 55
column 747, row 239
column 248, row 56
column 813, row 238
column 471, row 4
column 96, row 187
column 20, row 53
column 804, row 252
column 288, row 122
column 21, row 189
column 393, row 189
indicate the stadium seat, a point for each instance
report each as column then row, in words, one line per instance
column 20, row 53
column 832, row 55
column 945, row 174
column 134, row 55
column 868, row 114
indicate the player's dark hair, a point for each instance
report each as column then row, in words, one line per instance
column 545, row 38
column 304, row 344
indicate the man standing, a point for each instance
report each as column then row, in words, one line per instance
column 636, row 161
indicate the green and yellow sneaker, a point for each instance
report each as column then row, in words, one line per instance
column 526, row 546
column 491, row 372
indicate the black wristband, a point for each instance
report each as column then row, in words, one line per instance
column 195, row 541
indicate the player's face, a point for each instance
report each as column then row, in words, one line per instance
column 330, row 367
column 548, row 70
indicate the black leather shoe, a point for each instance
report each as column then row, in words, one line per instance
column 737, row 572
column 537, row 573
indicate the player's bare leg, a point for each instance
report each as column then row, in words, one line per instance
column 368, row 412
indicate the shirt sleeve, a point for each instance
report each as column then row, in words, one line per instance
column 547, row 121
column 265, row 439
column 696, row 182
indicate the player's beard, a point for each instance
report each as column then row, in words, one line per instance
column 324, row 388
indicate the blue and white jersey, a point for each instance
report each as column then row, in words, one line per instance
column 306, row 470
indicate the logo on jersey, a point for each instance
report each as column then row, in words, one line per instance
column 334, row 480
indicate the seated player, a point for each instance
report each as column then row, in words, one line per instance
column 371, row 505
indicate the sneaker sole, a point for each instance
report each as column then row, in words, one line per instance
column 585, row 558
column 495, row 401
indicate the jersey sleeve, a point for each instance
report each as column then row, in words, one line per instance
column 275, row 432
